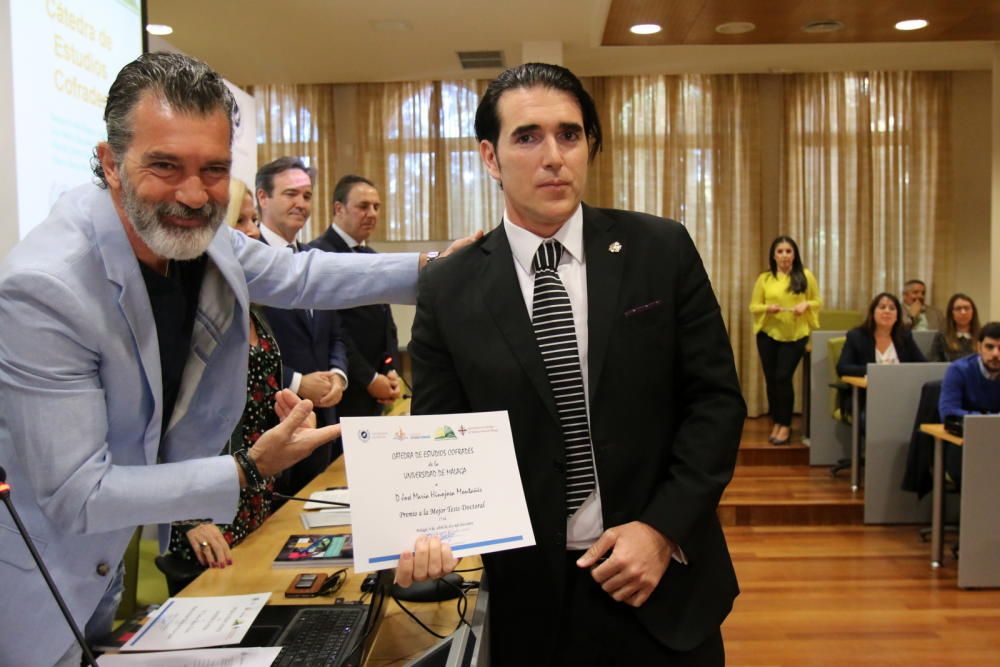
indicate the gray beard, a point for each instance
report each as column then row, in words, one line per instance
column 166, row 240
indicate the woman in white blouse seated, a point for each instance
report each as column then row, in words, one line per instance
column 880, row 339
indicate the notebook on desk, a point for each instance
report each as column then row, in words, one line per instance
column 334, row 635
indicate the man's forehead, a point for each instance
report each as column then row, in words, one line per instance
column 154, row 113
column 538, row 105
column 362, row 192
column 293, row 179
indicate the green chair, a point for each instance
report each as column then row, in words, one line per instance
column 142, row 584
column 834, row 346
column 840, row 320
column 127, row 607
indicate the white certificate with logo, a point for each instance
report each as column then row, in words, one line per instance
column 453, row 476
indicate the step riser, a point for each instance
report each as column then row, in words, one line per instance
column 791, row 515
column 773, row 456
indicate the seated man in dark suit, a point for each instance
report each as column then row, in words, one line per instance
column 313, row 354
column 971, row 386
column 369, row 331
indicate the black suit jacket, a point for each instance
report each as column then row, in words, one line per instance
column 308, row 343
column 859, row 351
column 665, row 407
column 370, row 337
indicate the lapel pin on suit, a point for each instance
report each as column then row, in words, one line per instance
column 615, row 247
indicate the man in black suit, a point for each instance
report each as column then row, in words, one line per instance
column 313, row 354
column 369, row 331
column 631, row 566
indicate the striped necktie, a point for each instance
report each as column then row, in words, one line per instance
column 552, row 321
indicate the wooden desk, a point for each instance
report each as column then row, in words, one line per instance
column 398, row 636
column 857, row 384
column 940, row 436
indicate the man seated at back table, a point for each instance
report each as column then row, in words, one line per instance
column 972, row 386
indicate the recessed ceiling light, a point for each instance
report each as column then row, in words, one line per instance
column 911, row 24
column 158, row 29
column 735, row 28
column 822, row 26
column 645, row 29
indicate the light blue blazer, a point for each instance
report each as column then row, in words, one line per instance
column 80, row 398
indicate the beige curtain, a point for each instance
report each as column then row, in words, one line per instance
column 298, row 120
column 864, row 181
column 416, row 140
column 687, row 147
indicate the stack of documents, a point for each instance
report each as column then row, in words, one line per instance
column 319, row 515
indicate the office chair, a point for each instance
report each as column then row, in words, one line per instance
column 920, row 455
column 178, row 572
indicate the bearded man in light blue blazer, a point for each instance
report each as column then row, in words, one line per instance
column 90, row 445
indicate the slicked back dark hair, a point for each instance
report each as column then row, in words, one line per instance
column 185, row 84
column 537, row 75
column 265, row 175
column 345, row 185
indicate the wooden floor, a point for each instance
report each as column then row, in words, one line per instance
column 819, row 589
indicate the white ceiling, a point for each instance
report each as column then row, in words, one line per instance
column 334, row 41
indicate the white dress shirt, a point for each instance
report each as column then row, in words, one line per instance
column 586, row 524
column 348, row 239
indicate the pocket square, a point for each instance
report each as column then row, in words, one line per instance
column 644, row 308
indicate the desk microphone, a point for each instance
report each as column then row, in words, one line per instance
column 5, row 496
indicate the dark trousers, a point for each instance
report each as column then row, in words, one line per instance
column 779, row 360
column 596, row 631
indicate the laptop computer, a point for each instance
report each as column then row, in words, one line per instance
column 334, row 635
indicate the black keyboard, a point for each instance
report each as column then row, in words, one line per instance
column 321, row 637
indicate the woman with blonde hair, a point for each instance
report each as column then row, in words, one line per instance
column 241, row 214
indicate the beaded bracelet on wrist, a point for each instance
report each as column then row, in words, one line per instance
column 250, row 469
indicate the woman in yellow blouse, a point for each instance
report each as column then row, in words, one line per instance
column 785, row 305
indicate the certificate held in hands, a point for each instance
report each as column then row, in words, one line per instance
column 452, row 476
